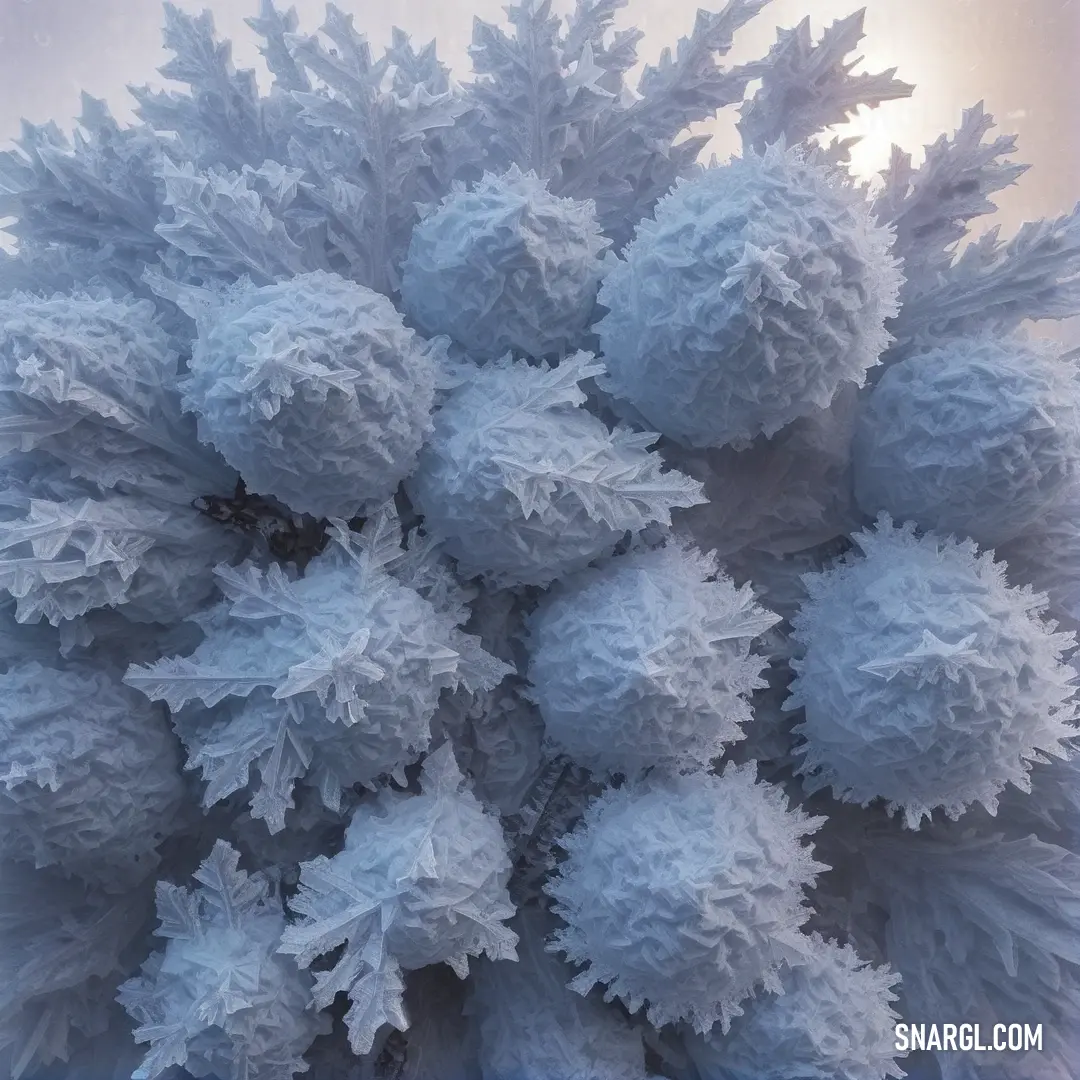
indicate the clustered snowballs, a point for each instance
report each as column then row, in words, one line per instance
column 438, row 498
column 833, row 1020
column 685, row 893
column 647, row 661
column 315, row 390
column 978, row 437
column 421, row 880
column 72, row 742
column 505, row 266
column 757, row 290
column 522, row 485
column 927, row 680
column 240, row 1008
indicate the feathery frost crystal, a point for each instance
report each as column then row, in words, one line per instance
column 522, row 485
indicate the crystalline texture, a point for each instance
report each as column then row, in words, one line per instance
column 505, row 266
column 522, row 485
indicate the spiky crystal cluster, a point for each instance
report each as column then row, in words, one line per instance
column 427, row 518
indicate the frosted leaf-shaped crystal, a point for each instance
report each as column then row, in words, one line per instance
column 521, row 485
column 339, row 673
column 978, row 437
column 647, row 661
column 686, row 893
column 315, row 390
column 505, row 266
column 927, row 680
column 757, row 291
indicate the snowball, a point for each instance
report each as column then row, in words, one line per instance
column 522, row 485
column 758, row 290
column 978, row 437
column 647, row 661
column 89, row 774
column 315, row 390
column 685, row 892
column 505, row 266
column 833, row 1020
column 927, row 680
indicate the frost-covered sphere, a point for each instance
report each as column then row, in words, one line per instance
column 759, row 289
column 927, row 680
column 89, row 774
column 833, row 1021
column 421, row 880
column 647, row 661
column 505, row 266
column 685, row 892
column 314, row 390
column 977, row 437
column 521, row 485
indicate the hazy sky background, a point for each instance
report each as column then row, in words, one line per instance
column 1017, row 55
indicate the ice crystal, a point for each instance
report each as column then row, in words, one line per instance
column 421, row 880
column 219, row 998
column 89, row 774
column 522, row 485
column 833, row 1020
column 315, row 391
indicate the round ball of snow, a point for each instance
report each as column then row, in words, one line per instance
column 647, row 661
column 833, row 1021
column 685, row 892
column 89, row 774
column 314, row 390
column 521, row 485
column 505, row 266
column 927, row 680
column 759, row 289
column 977, row 437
